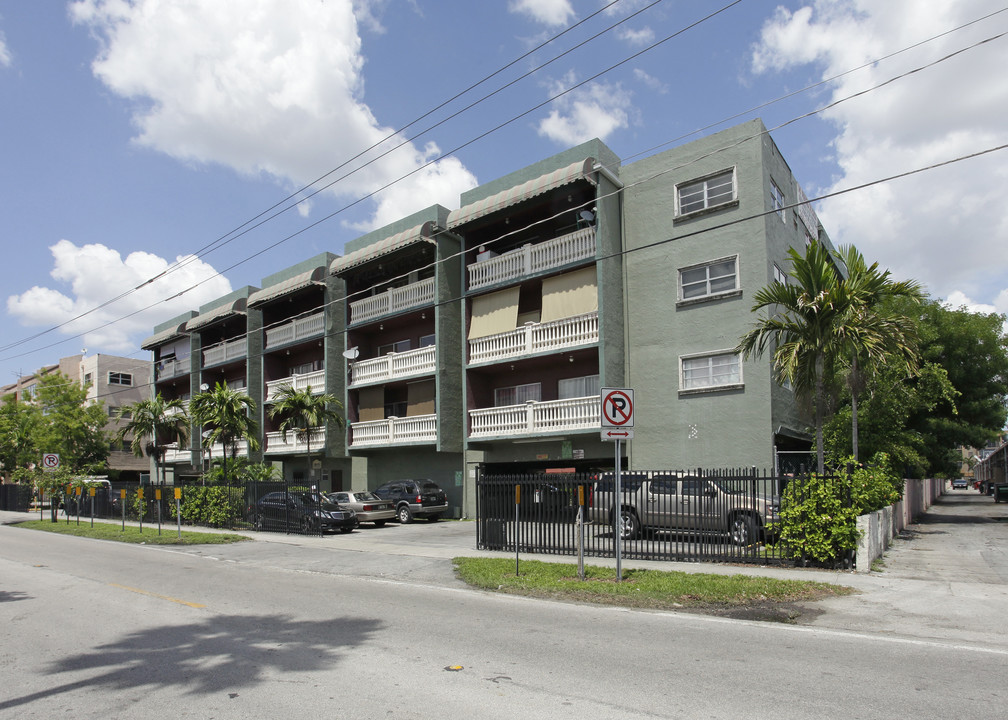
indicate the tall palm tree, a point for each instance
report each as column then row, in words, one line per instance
column 879, row 335
column 805, row 323
column 301, row 412
column 152, row 425
column 227, row 414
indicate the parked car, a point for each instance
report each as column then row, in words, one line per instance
column 684, row 503
column 959, row 483
column 368, row 506
column 302, row 511
column 415, row 498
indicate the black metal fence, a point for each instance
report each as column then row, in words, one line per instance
column 701, row 515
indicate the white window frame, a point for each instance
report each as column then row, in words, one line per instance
column 710, row 383
column 522, row 394
column 708, row 265
column 779, row 275
column 589, row 387
column 704, row 186
column 777, row 200
column 122, row 378
column 400, row 346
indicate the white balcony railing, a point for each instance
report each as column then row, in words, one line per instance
column 536, row 338
column 534, row 418
column 295, row 330
column 224, row 352
column 314, row 380
column 394, row 431
column 174, row 455
column 392, row 300
column 173, row 368
column 529, row 259
column 294, row 443
column 217, row 450
column 394, row 366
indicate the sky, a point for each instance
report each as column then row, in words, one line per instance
column 145, row 136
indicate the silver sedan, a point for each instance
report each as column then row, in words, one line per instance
column 369, row 507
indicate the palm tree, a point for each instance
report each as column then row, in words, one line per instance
column 878, row 335
column 153, row 420
column 805, row 324
column 226, row 412
column 302, row 411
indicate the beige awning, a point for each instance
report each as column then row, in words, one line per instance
column 371, row 403
column 420, row 398
column 236, row 307
column 569, row 295
column 315, row 276
column 494, row 313
column 164, row 337
column 419, row 233
column 581, row 170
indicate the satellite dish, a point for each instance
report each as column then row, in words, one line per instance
column 587, row 216
column 352, row 353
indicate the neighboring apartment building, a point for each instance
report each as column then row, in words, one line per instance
column 113, row 381
column 483, row 335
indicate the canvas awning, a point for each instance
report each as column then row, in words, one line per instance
column 494, row 313
column 581, row 170
column 315, row 276
column 569, row 295
column 235, row 307
column 416, row 234
column 164, row 337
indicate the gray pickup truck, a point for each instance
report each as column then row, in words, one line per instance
column 741, row 507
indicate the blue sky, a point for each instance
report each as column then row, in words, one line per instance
column 134, row 133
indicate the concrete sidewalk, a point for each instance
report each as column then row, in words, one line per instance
column 944, row 580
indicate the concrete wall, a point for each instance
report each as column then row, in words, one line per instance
column 880, row 528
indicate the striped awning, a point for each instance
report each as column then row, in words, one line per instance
column 315, row 276
column 383, row 247
column 218, row 313
column 581, row 170
column 163, row 337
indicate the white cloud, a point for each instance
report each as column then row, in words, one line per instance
column 593, row 110
column 641, row 37
column 5, row 56
column 947, row 228
column 651, row 82
column 548, row 12
column 93, row 274
column 957, row 300
column 270, row 87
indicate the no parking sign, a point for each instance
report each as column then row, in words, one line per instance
column 50, row 461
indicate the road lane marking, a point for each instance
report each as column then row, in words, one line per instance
column 161, row 597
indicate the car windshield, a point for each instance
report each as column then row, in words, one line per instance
column 366, row 497
column 430, row 487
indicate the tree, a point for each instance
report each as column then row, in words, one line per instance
column 226, row 412
column 19, row 431
column 876, row 332
column 69, row 426
column 152, row 425
column 805, row 323
column 301, row 412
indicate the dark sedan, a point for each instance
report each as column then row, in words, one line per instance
column 302, row 512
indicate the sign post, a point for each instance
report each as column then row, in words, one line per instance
column 617, row 425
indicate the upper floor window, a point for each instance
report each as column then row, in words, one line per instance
column 706, row 193
column 779, row 275
column 710, row 371
column 517, row 395
column 713, row 278
column 777, row 200
column 306, row 367
column 87, row 378
column 120, row 378
column 401, row 346
column 426, row 340
column 578, row 387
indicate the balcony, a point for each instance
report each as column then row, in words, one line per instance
column 394, row 431
column 394, row 366
column 295, row 444
column 315, row 380
column 299, row 329
column 174, row 456
column 536, row 418
column 173, row 368
column 217, row 450
column 392, row 300
column 536, row 338
column 224, row 352
column 531, row 259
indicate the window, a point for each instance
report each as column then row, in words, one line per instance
column 87, row 378
column 305, row 367
column 517, row 395
column 707, row 193
column 578, row 387
column 710, row 371
column 779, row 275
column 118, row 378
column 713, row 278
column 426, row 341
column 401, row 346
column 777, row 200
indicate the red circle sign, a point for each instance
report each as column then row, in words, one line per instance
column 617, row 408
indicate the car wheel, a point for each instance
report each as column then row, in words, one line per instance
column 742, row 530
column 433, row 518
column 629, row 524
column 306, row 525
column 379, row 523
column 345, row 530
column 259, row 522
column 405, row 516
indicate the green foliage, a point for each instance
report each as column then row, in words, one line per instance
column 131, row 534
column 212, row 506
column 19, row 431
column 240, row 471
column 874, row 485
column 818, row 521
column 153, row 424
column 69, row 427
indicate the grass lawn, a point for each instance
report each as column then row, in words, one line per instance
column 733, row 595
column 132, row 534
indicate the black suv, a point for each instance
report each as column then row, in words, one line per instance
column 302, row 511
column 415, row 498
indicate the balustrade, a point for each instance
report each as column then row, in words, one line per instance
column 531, row 259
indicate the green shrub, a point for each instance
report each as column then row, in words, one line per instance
column 818, row 519
column 212, row 506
